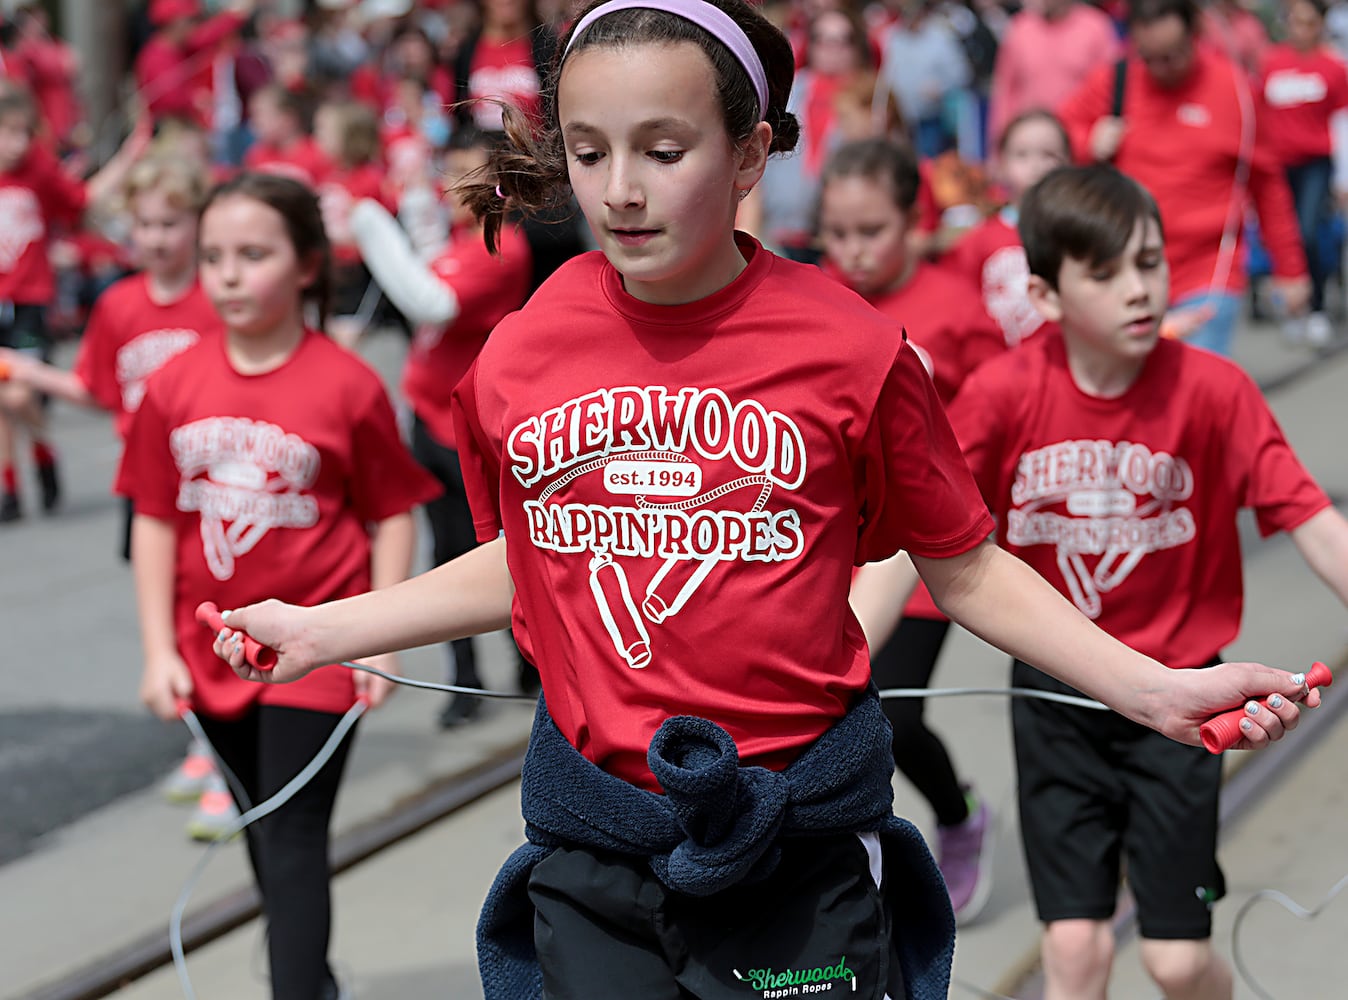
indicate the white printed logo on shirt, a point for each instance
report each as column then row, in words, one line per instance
column 1006, row 282
column 142, row 356
column 1289, row 87
column 244, row 477
column 1121, row 501
column 21, row 224
column 668, row 522
column 1194, row 115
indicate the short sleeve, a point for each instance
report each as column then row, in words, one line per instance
column 914, row 490
column 1276, row 486
column 480, row 462
column 95, row 365
column 386, row 480
column 979, row 422
column 148, row 475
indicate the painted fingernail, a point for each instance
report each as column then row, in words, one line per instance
column 221, row 634
column 1298, row 679
column 1275, row 701
column 224, row 615
column 1246, row 725
column 1251, row 708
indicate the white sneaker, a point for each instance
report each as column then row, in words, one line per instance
column 1319, row 330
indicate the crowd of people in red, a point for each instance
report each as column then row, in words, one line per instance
column 341, row 129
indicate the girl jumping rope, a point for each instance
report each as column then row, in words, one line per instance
column 267, row 460
column 675, row 453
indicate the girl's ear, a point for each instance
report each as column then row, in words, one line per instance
column 753, row 158
column 1045, row 299
column 309, row 269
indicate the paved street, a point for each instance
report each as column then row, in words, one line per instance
column 92, row 859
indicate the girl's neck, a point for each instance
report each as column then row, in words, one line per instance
column 904, row 276
column 168, row 287
column 257, row 354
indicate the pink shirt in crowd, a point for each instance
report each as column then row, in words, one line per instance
column 1040, row 61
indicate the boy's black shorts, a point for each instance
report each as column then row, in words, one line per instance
column 607, row 929
column 1097, row 789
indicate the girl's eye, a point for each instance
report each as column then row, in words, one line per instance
column 254, row 253
column 588, row 159
column 666, row 155
column 1149, row 262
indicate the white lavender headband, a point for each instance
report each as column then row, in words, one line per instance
column 706, row 16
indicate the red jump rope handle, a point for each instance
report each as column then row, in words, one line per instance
column 1222, row 732
column 254, row 653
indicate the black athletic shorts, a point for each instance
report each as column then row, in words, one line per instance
column 1099, row 792
column 607, row 929
column 24, row 328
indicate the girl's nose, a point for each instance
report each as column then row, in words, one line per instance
column 621, row 190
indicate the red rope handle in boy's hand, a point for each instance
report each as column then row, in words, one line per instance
column 1222, row 732
column 254, row 653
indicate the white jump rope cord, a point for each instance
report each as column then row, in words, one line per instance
column 356, row 711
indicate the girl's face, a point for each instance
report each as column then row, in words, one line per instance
column 833, row 50
column 328, row 133
column 865, row 235
column 1304, row 26
column 249, row 267
column 1033, row 148
column 655, row 173
column 163, row 235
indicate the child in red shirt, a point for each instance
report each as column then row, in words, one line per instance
column 267, row 460
column 347, row 134
column 453, row 304
column 990, row 255
column 282, row 144
column 35, row 194
column 867, row 208
column 1115, row 463
column 675, row 453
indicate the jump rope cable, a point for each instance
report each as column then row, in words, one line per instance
column 247, row 817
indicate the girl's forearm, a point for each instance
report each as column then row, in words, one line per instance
column 56, row 382
column 467, row 596
column 1003, row 601
column 153, row 557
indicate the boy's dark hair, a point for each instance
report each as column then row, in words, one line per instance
column 359, row 127
column 1035, row 115
column 293, row 103
column 529, row 173
column 889, row 160
column 1151, row 11
column 297, row 205
column 1086, row 213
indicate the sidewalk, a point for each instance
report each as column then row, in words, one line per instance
column 404, row 918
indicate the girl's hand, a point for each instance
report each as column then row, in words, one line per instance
column 283, row 627
column 1191, row 697
column 165, row 681
column 376, row 690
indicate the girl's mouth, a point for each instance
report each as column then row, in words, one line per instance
column 634, row 237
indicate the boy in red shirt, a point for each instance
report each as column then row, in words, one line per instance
column 1115, row 463
column 283, row 144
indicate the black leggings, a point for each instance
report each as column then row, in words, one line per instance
column 451, row 529
column 907, row 660
column 288, row 849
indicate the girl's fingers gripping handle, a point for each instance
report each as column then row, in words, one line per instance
column 1222, row 732
column 254, row 653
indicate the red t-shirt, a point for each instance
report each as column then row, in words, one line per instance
column 488, row 288
column 685, row 489
column 302, row 160
column 339, row 188
column 130, row 337
column 37, row 193
column 1128, row 506
column 1302, row 90
column 990, row 255
column 1183, row 145
column 503, row 71
column 946, row 322
column 269, row 482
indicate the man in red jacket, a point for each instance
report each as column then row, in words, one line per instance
column 1194, row 133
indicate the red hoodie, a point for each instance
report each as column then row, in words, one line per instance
column 1183, row 145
